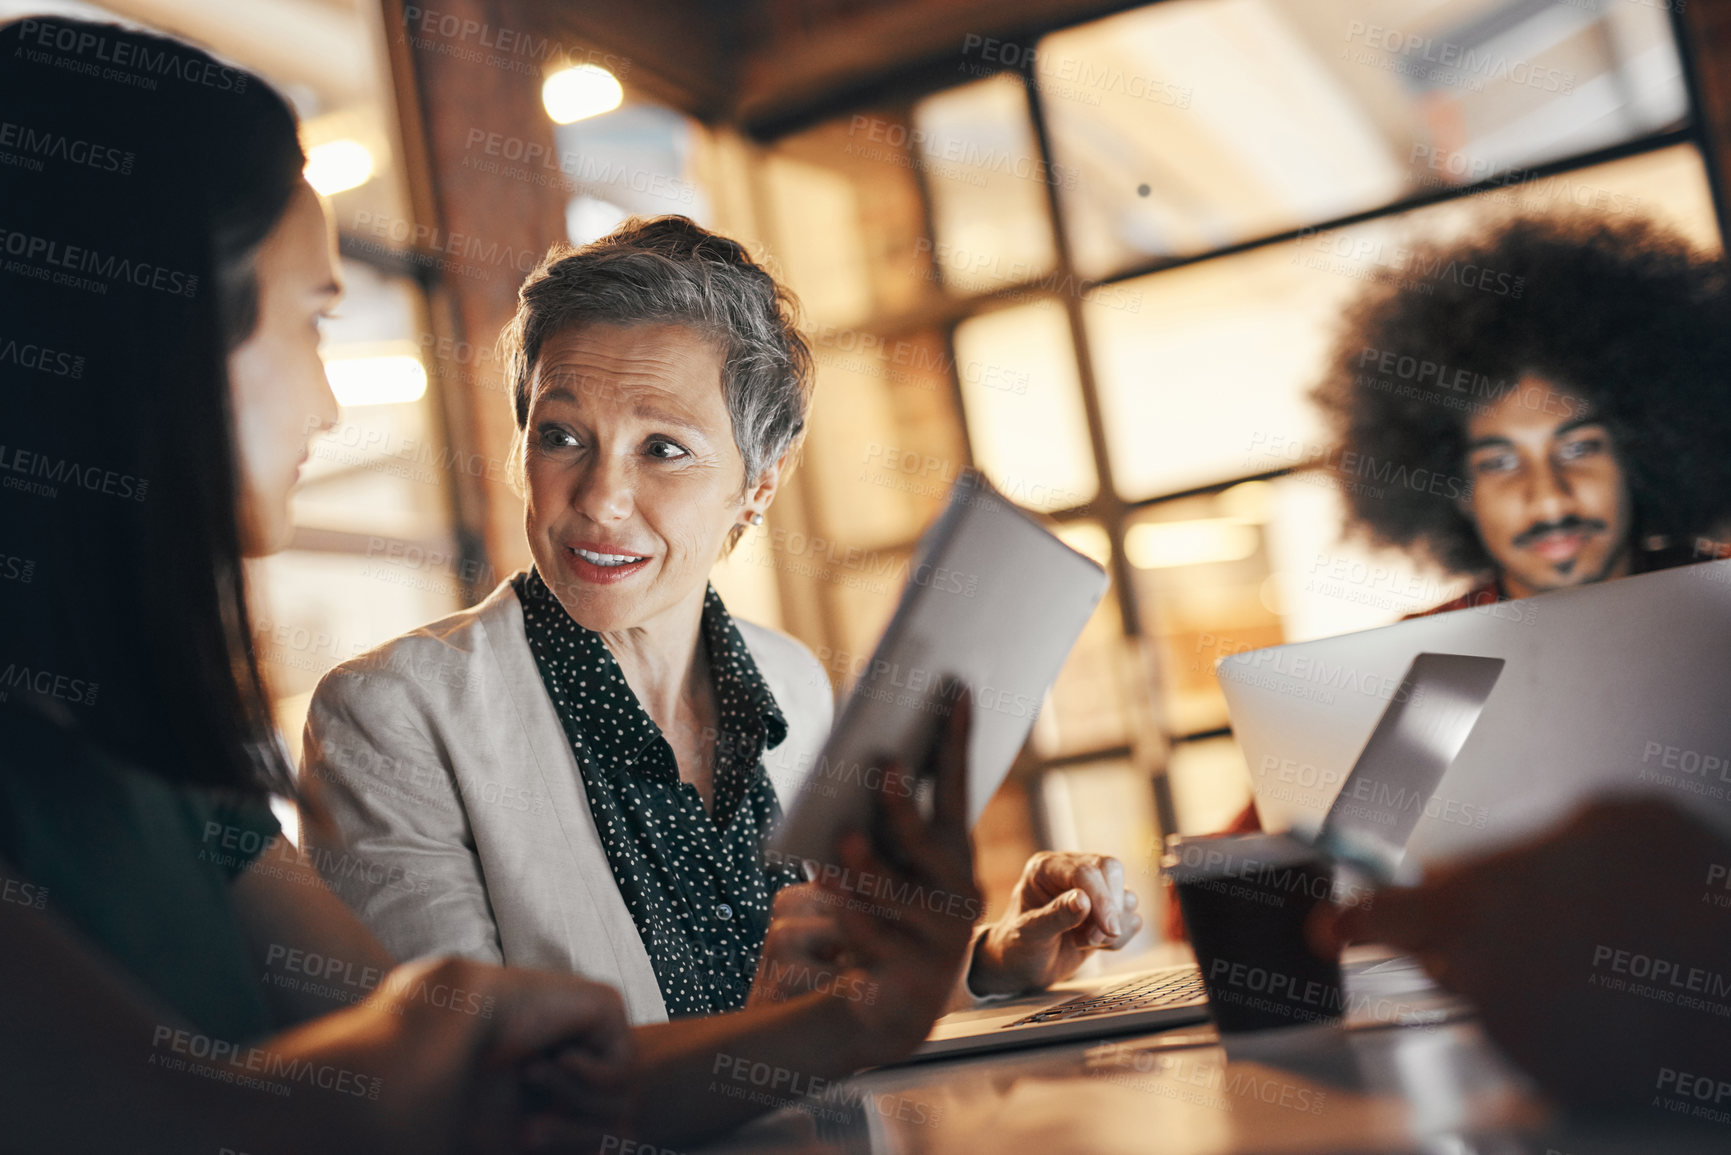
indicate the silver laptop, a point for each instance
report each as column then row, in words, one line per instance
column 1431, row 711
column 1618, row 687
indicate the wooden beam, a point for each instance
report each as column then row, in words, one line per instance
column 681, row 53
column 805, row 61
column 1704, row 36
column 488, row 199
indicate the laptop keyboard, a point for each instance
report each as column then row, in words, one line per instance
column 1143, row 993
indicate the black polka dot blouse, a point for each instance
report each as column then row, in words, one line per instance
column 695, row 883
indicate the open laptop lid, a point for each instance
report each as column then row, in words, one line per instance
column 1415, row 741
column 1617, row 687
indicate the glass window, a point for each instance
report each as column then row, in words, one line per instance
column 846, row 219
column 1207, row 380
column 986, row 180
column 1210, row 784
column 1214, row 362
column 1202, row 585
column 1023, row 402
column 821, row 252
column 383, row 470
column 884, row 443
column 1197, row 124
column 635, row 160
column 1089, row 706
column 1327, row 581
column 864, row 589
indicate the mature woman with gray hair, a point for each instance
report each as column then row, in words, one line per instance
column 578, row 773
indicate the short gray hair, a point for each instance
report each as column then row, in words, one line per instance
column 670, row 270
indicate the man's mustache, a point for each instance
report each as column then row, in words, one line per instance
column 1570, row 524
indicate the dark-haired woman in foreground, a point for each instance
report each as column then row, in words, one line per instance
column 163, row 274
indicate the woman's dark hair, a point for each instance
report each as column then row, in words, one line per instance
column 1624, row 315
column 143, row 175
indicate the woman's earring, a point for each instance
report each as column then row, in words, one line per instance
column 754, row 518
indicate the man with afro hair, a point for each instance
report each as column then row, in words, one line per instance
column 1580, row 418
column 1546, row 405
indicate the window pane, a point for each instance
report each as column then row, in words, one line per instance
column 1325, row 580
column 1089, row 706
column 1218, row 351
column 846, row 220
column 1207, row 381
column 822, row 257
column 987, row 183
column 383, row 470
column 885, row 442
column 864, row 594
column 1024, row 405
column 1202, row 584
column 638, row 159
column 1196, row 124
column 1210, row 784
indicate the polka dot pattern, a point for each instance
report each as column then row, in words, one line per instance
column 695, row 883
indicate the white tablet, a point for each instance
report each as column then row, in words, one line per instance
column 994, row 602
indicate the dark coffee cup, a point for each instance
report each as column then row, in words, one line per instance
column 1246, row 899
